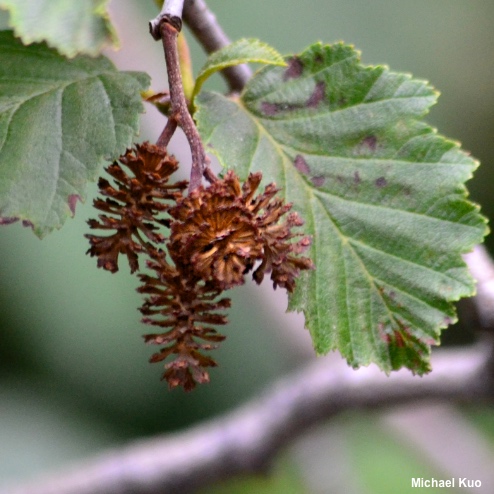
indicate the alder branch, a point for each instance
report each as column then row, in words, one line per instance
column 246, row 440
column 203, row 24
column 179, row 112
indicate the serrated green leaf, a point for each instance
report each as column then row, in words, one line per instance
column 238, row 52
column 381, row 193
column 70, row 26
column 60, row 120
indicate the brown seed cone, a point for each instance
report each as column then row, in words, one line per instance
column 220, row 232
column 134, row 203
column 215, row 234
column 184, row 307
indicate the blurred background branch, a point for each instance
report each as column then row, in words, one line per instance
column 247, row 439
column 203, row 24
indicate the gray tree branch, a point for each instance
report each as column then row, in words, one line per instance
column 246, row 440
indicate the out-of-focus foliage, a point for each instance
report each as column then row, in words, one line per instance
column 86, row 27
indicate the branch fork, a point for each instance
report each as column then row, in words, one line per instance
column 166, row 27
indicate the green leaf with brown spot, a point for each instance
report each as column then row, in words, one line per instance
column 382, row 195
column 60, row 121
column 70, row 26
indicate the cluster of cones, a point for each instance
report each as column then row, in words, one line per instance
column 216, row 236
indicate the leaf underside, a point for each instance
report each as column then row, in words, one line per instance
column 60, row 120
column 381, row 193
column 70, row 26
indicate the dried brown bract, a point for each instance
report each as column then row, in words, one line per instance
column 221, row 231
column 184, row 308
column 134, row 202
column 215, row 234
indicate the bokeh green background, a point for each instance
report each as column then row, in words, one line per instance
column 74, row 377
